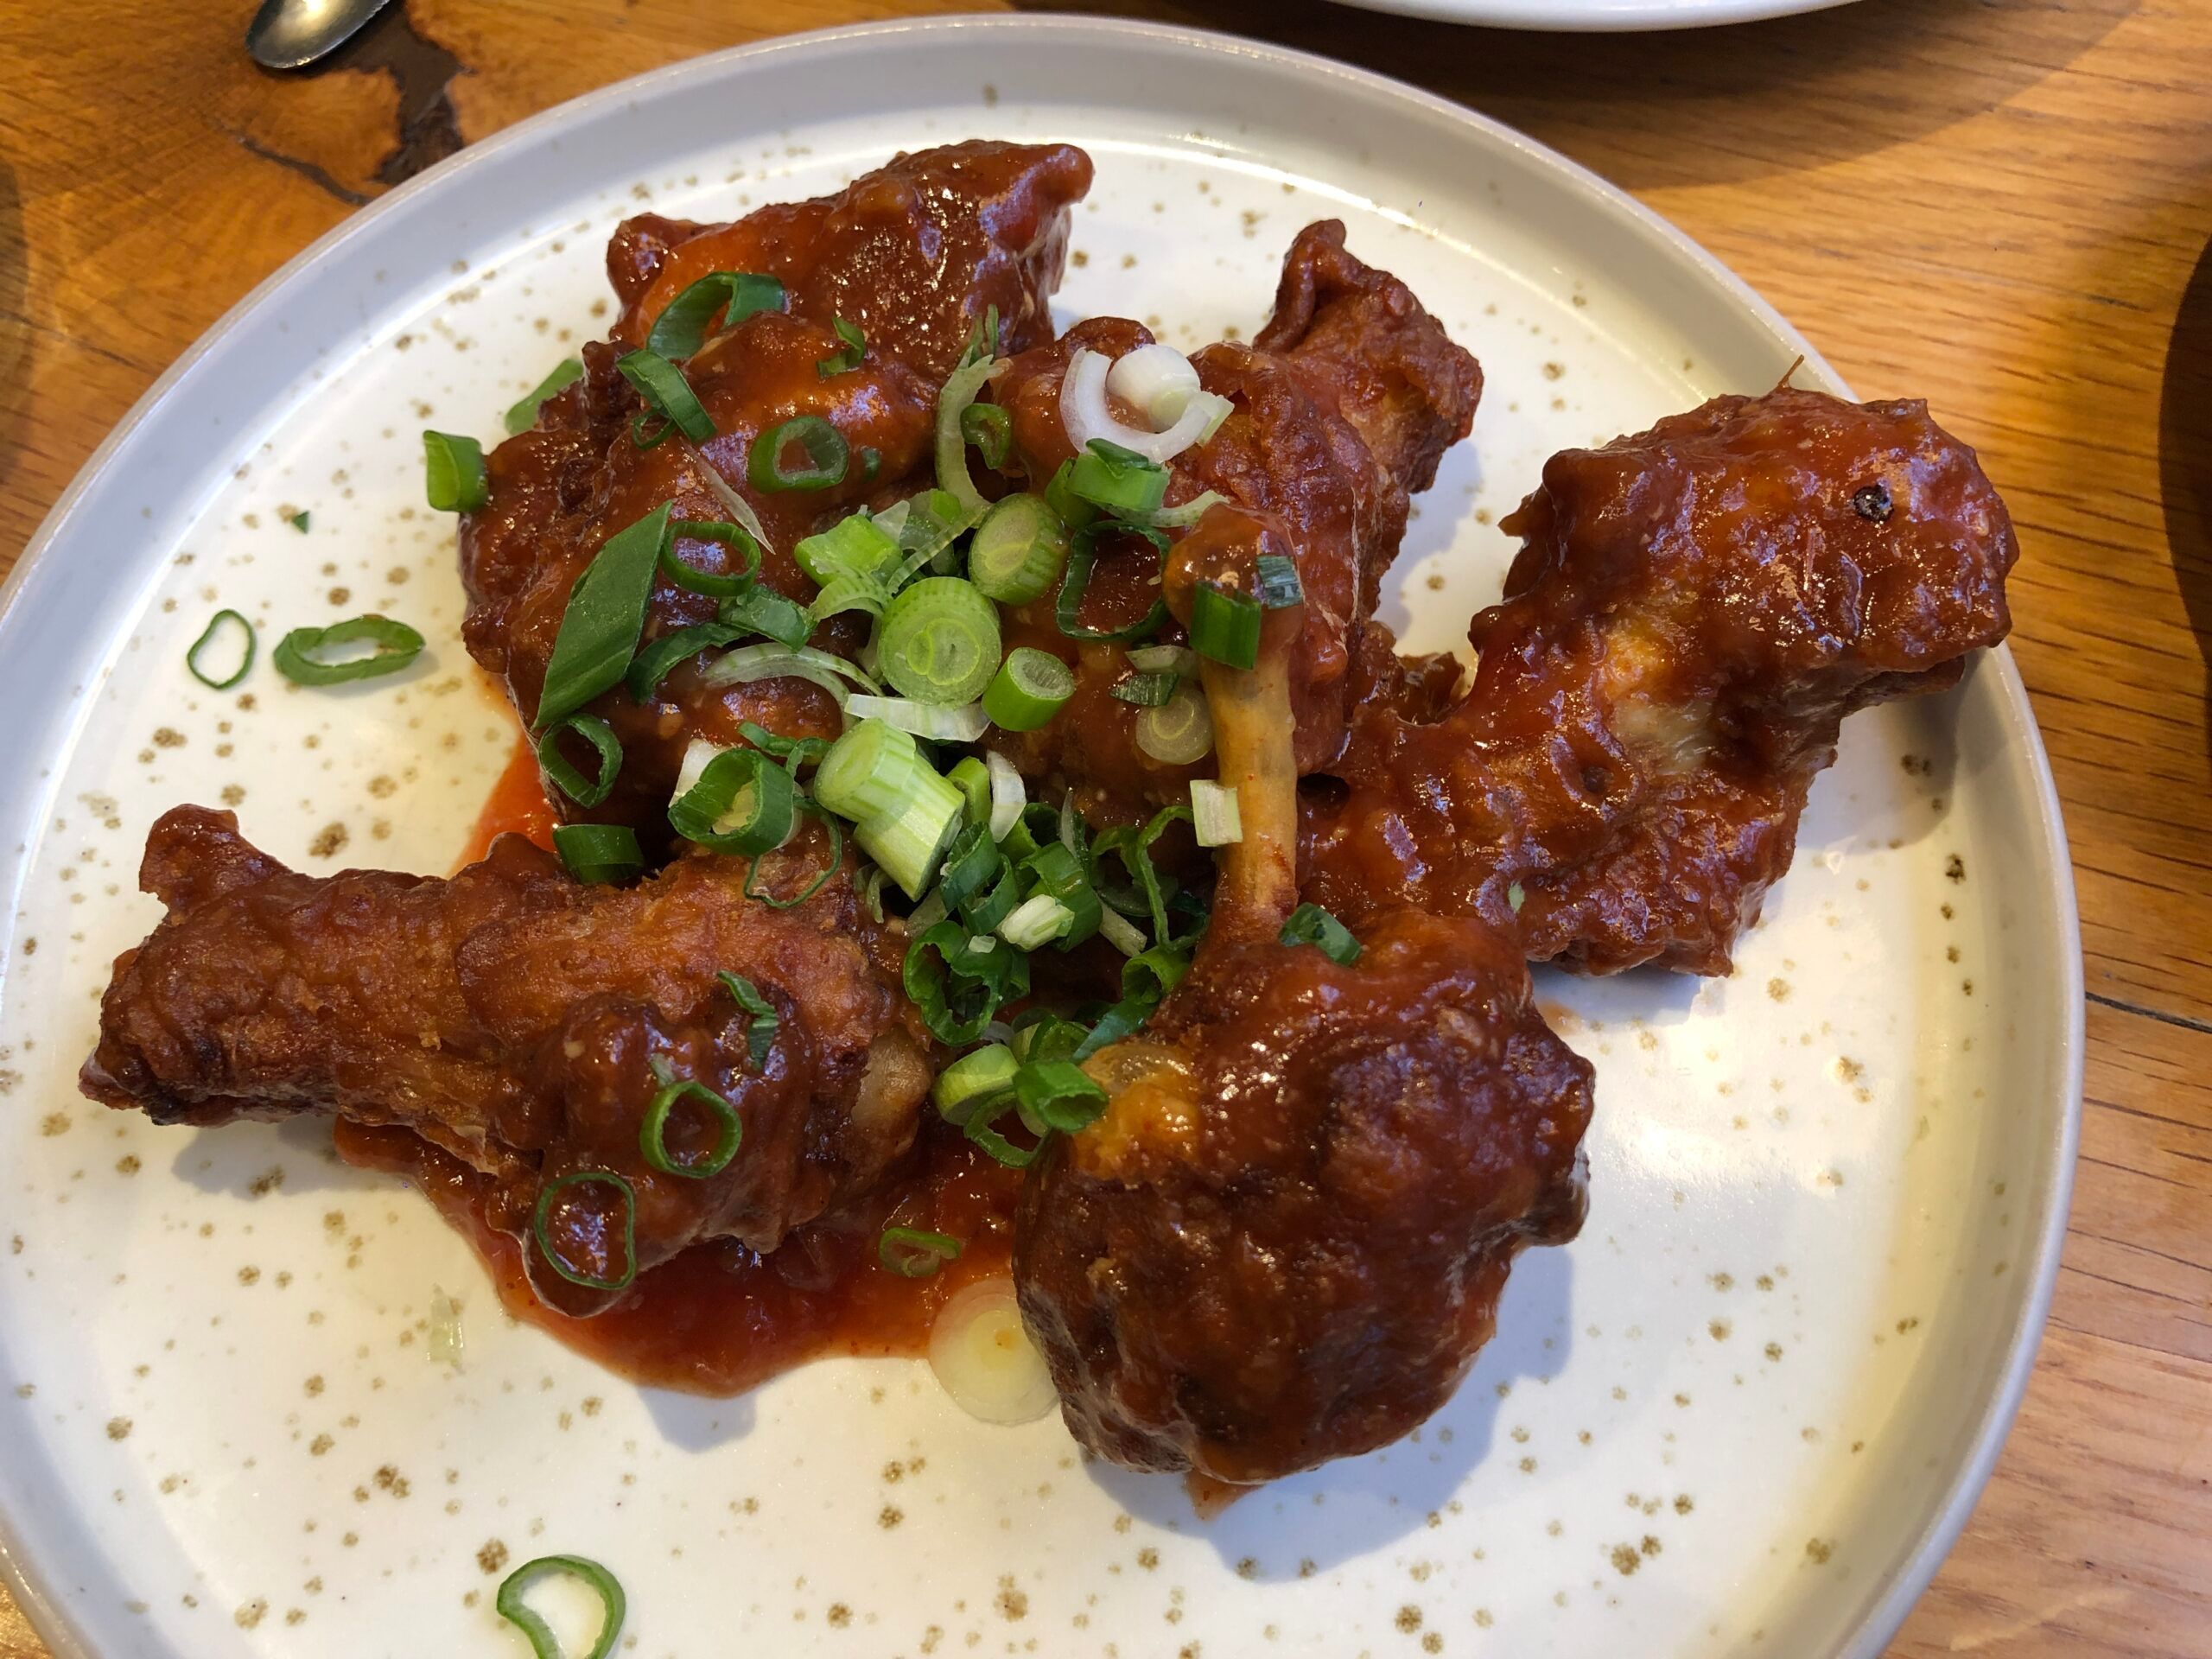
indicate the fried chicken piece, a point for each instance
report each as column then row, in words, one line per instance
column 1692, row 613
column 1345, row 403
column 915, row 254
column 1285, row 1239
column 515, row 1017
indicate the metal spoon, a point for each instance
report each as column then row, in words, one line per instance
column 293, row 33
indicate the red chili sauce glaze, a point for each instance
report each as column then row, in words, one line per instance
column 719, row 1319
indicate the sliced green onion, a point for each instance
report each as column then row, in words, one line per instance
column 873, row 769
column 1215, row 816
column 856, row 545
column 1058, row 869
column 1042, row 1035
column 927, row 524
column 842, row 594
column 1119, row 480
column 523, row 414
column 821, row 877
column 1036, row 827
column 597, row 852
column 1179, row 660
column 605, row 616
column 766, row 611
column 972, row 1079
column 1038, row 920
column 1120, row 931
column 1008, row 795
column 1057, row 1095
column 584, row 791
column 989, row 429
column 741, row 803
column 453, row 472
column 1311, row 925
column 734, row 504
column 972, row 778
column 1135, row 846
column 683, row 325
column 667, row 395
column 1224, row 625
column 714, row 584
column 652, row 1134
column 1278, row 582
column 1019, row 549
column 939, row 642
column 1029, row 689
column 982, row 339
column 750, row 663
column 541, row 1215
column 822, row 456
column 952, row 475
column 544, row 1644
column 910, row 842
column 206, row 637
column 1070, row 508
column 940, row 722
column 1124, row 1019
column 1515, row 896
column 1067, row 610
column 1179, row 731
column 915, row 1253
column 1149, row 691
column 956, row 986
column 1182, row 515
column 651, row 665
column 871, row 890
column 980, row 1129
column 984, row 911
column 973, row 861
column 849, row 356
column 397, row 646
column 793, row 752
column 760, row 1033
column 299, row 521
column 1150, row 974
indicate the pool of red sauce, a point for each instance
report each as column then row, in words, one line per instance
column 719, row 1319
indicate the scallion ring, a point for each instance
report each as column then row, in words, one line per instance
column 597, row 853
column 741, row 803
column 714, row 584
column 1277, row 584
column 1147, row 690
column 523, row 414
column 652, row 1134
column 939, row 641
column 206, row 638
column 804, row 453
column 848, row 355
column 973, row 1079
column 1030, row 687
column 1057, row 1095
column 830, row 865
column 765, row 611
column 1068, row 608
column 1225, row 626
column 667, row 395
column 543, row 1643
column 1019, row 550
column 541, row 1221
column 682, row 328
column 1179, row 731
column 453, row 472
column 953, row 475
column 760, row 1033
column 989, row 429
column 1311, row 925
column 914, row 1252
column 651, row 665
column 584, row 791
column 1118, row 479
column 397, row 646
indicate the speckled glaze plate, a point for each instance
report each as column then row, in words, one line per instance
column 1746, row 1411
column 1597, row 16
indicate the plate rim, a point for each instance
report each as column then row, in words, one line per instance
column 26, row 1575
column 1617, row 17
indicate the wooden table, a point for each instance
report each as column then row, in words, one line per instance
column 2004, row 205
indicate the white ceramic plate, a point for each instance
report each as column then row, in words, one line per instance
column 1596, row 17
column 1751, row 1406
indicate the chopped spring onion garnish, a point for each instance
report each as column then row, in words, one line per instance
column 1019, row 551
column 848, row 356
column 939, row 641
column 596, row 1579
column 974, row 860
column 829, row 864
column 1135, row 845
column 1029, row 689
column 1279, row 586
column 1045, row 1036
column 299, row 521
column 765, row 611
column 669, row 400
column 1179, row 731
column 972, row 1079
column 956, row 980
column 1156, row 378
column 594, row 1234
column 207, row 637
column 651, row 665
column 397, row 646
column 804, row 453
column 1057, row 1095
column 652, row 1134
column 1008, row 794
column 1055, row 870
column 1119, row 480
column 714, row 584
column 909, row 843
column 1036, row 827
column 1148, row 977
column 453, row 472
column 1067, row 610
column 605, row 614
column 1038, row 920
column 972, row 778
column 927, row 523
column 760, row 1034
column 793, row 752
column 1225, row 626
column 1086, row 414
column 983, row 912
column 856, row 545
column 904, row 812
column 1182, row 515
column 683, row 326
column 741, row 803
column 597, row 852
column 736, row 506
column 749, row 663
column 990, row 429
column 1311, row 925
column 1145, row 690
column 1214, row 817
column 985, row 1359
column 1515, row 895
column 584, row 791
column 914, row 1253
column 523, row 415
column 953, row 475
column 1124, row 935
column 941, row 723
column 871, row 892
column 1072, row 509
column 1179, row 660
column 842, row 594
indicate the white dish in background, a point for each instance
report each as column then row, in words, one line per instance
column 1753, row 1403
column 1597, row 16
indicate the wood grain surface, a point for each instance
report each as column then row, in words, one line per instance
column 2002, row 205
